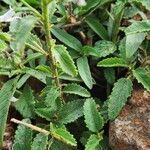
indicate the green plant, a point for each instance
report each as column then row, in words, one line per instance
column 61, row 43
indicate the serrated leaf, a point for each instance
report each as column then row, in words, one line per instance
column 70, row 111
column 97, row 27
column 32, row 57
column 118, row 97
column 22, row 80
column 131, row 11
column 76, row 89
column 44, row 68
column 64, row 76
column 23, row 137
column 66, row 63
column 93, row 142
column 5, row 36
column 92, row 5
column 101, row 49
column 84, row 137
column 21, row 31
column 52, row 7
column 145, row 3
column 113, row 62
column 51, row 97
column 116, row 15
column 109, row 74
column 46, row 113
column 10, row 2
column 105, row 48
column 32, row 2
column 34, row 43
column 35, row 73
column 143, row 76
column 133, row 41
column 3, row 45
column 63, row 135
column 57, row 145
column 89, row 50
column 40, row 142
column 122, row 48
column 84, row 71
column 67, row 39
column 6, row 94
column 93, row 119
column 5, row 63
column 138, row 27
column 25, row 104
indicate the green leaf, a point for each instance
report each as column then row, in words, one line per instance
column 32, row 2
column 5, row 36
column 92, row 5
column 51, row 97
column 119, row 97
column 97, row 27
column 76, row 89
column 101, row 49
column 35, row 73
column 46, row 113
column 122, row 48
column 32, row 57
column 5, row 63
column 63, row 135
column 10, row 2
column 57, row 145
column 52, row 7
column 40, row 142
column 21, row 31
column 116, row 15
column 3, row 45
column 22, row 80
column 34, row 43
column 93, row 142
column 64, row 76
column 44, row 68
column 138, row 27
column 109, row 74
column 66, row 63
column 6, row 94
column 133, row 41
column 131, row 11
column 89, row 50
column 84, row 137
column 143, row 76
column 84, row 71
column 70, row 111
column 145, row 3
column 113, row 62
column 105, row 48
column 23, row 137
column 93, row 119
column 67, row 39
column 25, row 104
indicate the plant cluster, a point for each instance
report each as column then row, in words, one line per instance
column 54, row 53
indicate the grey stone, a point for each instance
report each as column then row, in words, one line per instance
column 131, row 129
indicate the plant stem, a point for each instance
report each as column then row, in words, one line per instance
column 30, row 126
column 32, row 9
column 50, row 44
column 35, row 128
